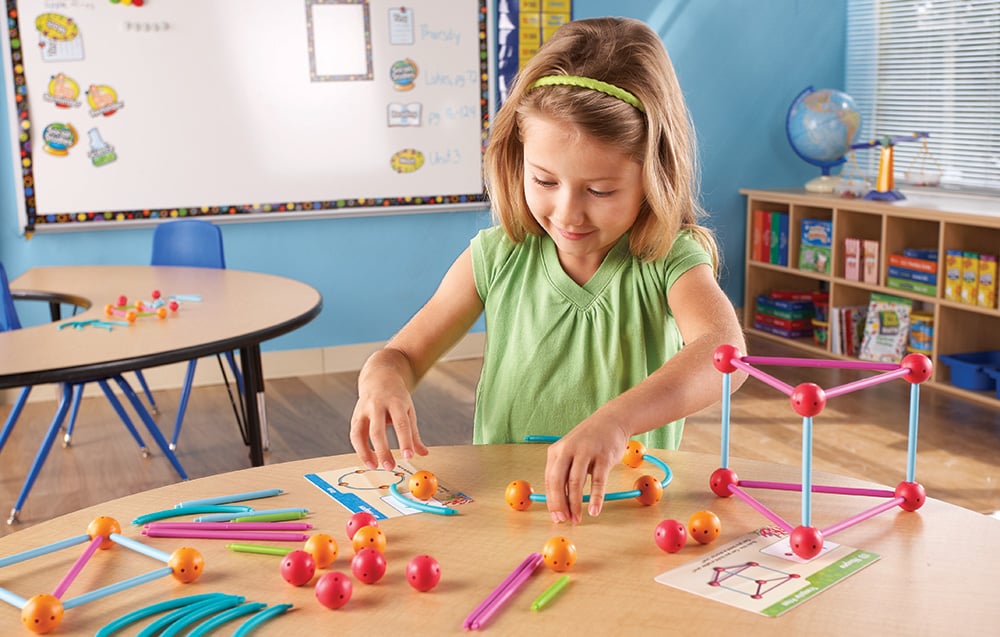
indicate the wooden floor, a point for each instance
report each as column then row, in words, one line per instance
column 862, row 434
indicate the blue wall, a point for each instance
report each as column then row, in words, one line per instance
column 740, row 63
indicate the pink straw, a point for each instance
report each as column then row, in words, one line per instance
column 861, row 517
column 273, row 536
column 230, row 526
column 760, row 508
column 78, row 566
column 519, row 580
column 496, row 592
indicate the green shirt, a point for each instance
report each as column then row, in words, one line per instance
column 556, row 351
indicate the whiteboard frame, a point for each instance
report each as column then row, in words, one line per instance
column 75, row 221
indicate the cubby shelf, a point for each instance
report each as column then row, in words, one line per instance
column 931, row 220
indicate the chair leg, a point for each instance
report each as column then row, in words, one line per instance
column 74, row 408
column 149, row 395
column 182, row 406
column 14, row 414
column 123, row 415
column 150, row 425
column 43, row 452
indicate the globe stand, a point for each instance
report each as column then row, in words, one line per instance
column 822, row 184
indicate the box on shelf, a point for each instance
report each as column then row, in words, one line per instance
column 986, row 291
column 870, row 251
column 815, row 246
column 968, row 370
column 970, row 277
column 953, row 275
column 921, row 332
column 852, row 259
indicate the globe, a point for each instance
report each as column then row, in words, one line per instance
column 821, row 126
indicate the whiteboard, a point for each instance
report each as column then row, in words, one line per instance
column 122, row 113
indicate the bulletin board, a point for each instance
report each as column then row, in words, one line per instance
column 135, row 110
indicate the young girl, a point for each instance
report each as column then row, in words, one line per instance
column 602, row 307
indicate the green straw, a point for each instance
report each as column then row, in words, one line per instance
column 550, row 593
column 259, row 548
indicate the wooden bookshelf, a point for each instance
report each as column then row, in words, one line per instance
column 931, row 220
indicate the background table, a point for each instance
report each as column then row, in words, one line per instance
column 238, row 310
column 934, row 576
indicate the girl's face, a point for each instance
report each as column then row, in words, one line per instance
column 583, row 193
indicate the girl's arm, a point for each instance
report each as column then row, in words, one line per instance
column 683, row 385
column 390, row 374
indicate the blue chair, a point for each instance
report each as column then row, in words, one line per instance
column 10, row 321
column 196, row 243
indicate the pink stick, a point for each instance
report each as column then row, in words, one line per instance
column 78, row 566
column 866, row 382
column 814, row 362
column 230, row 526
column 506, row 593
column 763, row 510
column 273, row 536
column 764, row 377
column 496, row 592
column 817, row 488
column 861, row 517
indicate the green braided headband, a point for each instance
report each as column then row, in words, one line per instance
column 591, row 83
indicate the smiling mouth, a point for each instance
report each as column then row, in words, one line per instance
column 572, row 236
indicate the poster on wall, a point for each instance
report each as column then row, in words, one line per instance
column 132, row 112
column 522, row 27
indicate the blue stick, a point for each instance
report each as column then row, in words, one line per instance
column 116, row 588
column 911, row 446
column 421, row 506
column 235, row 497
column 260, row 618
column 137, row 615
column 807, row 443
column 12, row 598
column 139, row 547
column 44, row 550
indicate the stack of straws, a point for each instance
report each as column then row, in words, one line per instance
column 216, row 520
column 488, row 607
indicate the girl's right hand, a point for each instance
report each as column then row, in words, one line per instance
column 384, row 401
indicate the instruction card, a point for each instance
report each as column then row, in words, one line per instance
column 360, row 489
column 759, row 572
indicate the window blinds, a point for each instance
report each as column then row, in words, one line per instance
column 929, row 66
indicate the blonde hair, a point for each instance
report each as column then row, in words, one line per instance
column 660, row 136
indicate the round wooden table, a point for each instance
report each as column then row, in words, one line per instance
column 237, row 310
column 934, row 575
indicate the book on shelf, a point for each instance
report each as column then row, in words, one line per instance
column 779, row 238
column 887, row 326
column 912, row 275
column 769, row 237
column 913, row 263
column 783, row 308
column 815, row 245
column 908, row 285
column 777, row 321
column 847, row 325
column 780, row 331
column 869, row 249
column 927, row 254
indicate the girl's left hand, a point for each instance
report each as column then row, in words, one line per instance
column 592, row 448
